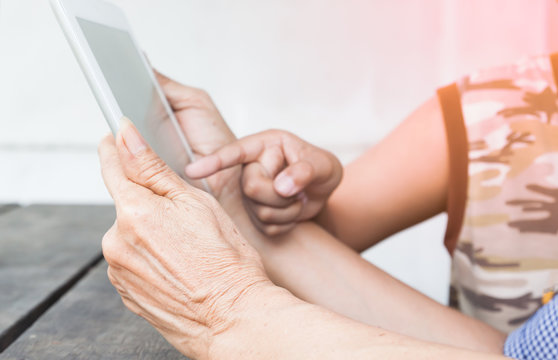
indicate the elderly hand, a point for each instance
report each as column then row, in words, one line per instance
column 286, row 180
column 174, row 256
column 206, row 132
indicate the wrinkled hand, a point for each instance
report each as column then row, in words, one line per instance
column 205, row 130
column 174, row 256
column 285, row 181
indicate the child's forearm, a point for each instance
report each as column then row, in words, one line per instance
column 317, row 268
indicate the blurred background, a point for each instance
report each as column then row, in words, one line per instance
column 339, row 73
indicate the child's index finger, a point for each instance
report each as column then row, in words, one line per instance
column 243, row 151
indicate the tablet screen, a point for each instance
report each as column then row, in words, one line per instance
column 132, row 87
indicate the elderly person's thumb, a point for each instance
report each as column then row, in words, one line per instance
column 143, row 166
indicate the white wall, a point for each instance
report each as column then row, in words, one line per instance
column 340, row 73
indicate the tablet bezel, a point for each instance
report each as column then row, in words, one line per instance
column 104, row 13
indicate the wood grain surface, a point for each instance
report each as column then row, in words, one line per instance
column 91, row 322
column 44, row 250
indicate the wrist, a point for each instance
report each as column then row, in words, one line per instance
column 253, row 322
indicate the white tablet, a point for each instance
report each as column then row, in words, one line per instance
column 120, row 76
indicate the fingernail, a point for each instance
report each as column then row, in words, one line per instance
column 284, row 185
column 132, row 138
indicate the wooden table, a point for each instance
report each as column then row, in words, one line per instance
column 55, row 299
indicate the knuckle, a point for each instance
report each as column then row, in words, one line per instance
column 237, row 152
column 130, row 305
column 202, row 202
column 201, row 93
column 110, row 246
column 288, row 134
column 276, row 136
column 273, row 132
column 251, row 187
column 242, row 155
column 131, row 219
column 306, row 172
column 153, row 170
column 201, row 98
column 272, row 230
column 126, row 216
column 264, row 213
column 111, row 276
column 277, row 132
column 276, row 155
column 201, row 197
column 288, row 137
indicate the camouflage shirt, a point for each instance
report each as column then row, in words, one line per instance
column 502, row 127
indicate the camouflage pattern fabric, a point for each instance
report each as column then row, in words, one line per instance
column 507, row 251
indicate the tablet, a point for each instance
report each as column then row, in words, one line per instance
column 120, row 76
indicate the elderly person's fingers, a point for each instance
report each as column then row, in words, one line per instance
column 119, row 250
column 175, row 92
column 198, row 116
column 142, row 166
column 116, row 181
column 204, row 128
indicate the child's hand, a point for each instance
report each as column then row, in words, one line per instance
column 285, row 180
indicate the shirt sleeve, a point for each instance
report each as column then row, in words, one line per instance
column 538, row 337
column 456, row 134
